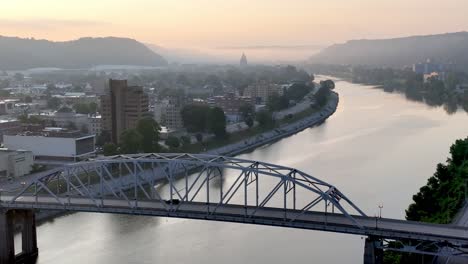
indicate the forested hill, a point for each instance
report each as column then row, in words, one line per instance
column 399, row 52
column 21, row 54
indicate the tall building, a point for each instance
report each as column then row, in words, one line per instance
column 122, row 107
column 168, row 113
column 243, row 60
column 261, row 91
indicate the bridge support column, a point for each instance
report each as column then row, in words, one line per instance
column 29, row 237
column 7, row 242
column 26, row 220
column 372, row 254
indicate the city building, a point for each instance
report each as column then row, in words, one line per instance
column 461, row 88
column 122, row 107
column 429, row 67
column 75, row 98
column 8, row 106
column 231, row 104
column 15, row 163
column 9, row 126
column 172, row 115
column 243, row 60
column 94, row 124
column 261, row 91
column 65, row 118
column 167, row 113
column 53, row 143
column 434, row 75
column 32, row 90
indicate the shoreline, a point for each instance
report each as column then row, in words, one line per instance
column 278, row 133
column 245, row 145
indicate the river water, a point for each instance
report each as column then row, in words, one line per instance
column 378, row 148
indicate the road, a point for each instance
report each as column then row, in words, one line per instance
column 369, row 226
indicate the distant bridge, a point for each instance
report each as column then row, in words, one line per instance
column 214, row 188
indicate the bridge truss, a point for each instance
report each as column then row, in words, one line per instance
column 191, row 178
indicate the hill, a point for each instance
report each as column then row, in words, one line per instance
column 399, row 52
column 176, row 55
column 20, row 54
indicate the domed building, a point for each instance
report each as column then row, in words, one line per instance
column 243, row 60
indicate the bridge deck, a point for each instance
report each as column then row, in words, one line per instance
column 381, row 227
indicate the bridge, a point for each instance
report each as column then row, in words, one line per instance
column 214, row 188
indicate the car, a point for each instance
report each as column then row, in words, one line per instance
column 173, row 201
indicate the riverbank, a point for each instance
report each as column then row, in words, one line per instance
column 279, row 132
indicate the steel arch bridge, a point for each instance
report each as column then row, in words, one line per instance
column 227, row 189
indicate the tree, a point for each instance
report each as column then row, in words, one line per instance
column 18, row 76
column 265, row 118
column 103, row 138
column 199, row 137
column 276, row 102
column 65, row 109
column 35, row 120
column 4, row 93
column 81, row 108
column 247, row 110
column 185, row 140
column 53, row 103
column 217, row 122
column 130, row 141
column 149, row 129
column 297, row 91
column 194, row 117
column 110, row 149
column 249, row 122
column 330, row 84
column 322, row 95
column 172, row 142
column 93, row 108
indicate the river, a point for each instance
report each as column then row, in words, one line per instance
column 378, row 148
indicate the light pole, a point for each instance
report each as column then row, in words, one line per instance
column 380, row 210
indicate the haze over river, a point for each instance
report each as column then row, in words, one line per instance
column 378, row 148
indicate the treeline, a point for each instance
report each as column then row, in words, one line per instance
column 440, row 199
column 204, row 119
column 434, row 92
column 444, row 194
column 293, row 94
column 143, row 139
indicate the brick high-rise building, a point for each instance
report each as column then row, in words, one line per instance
column 122, row 107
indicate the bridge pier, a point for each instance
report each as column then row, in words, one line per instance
column 26, row 220
column 7, row 243
column 372, row 254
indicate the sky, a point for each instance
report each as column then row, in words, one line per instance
column 215, row 24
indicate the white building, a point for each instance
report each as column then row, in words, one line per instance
column 65, row 119
column 53, row 143
column 167, row 113
column 8, row 106
column 15, row 163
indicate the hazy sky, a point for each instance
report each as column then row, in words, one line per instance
column 214, row 23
